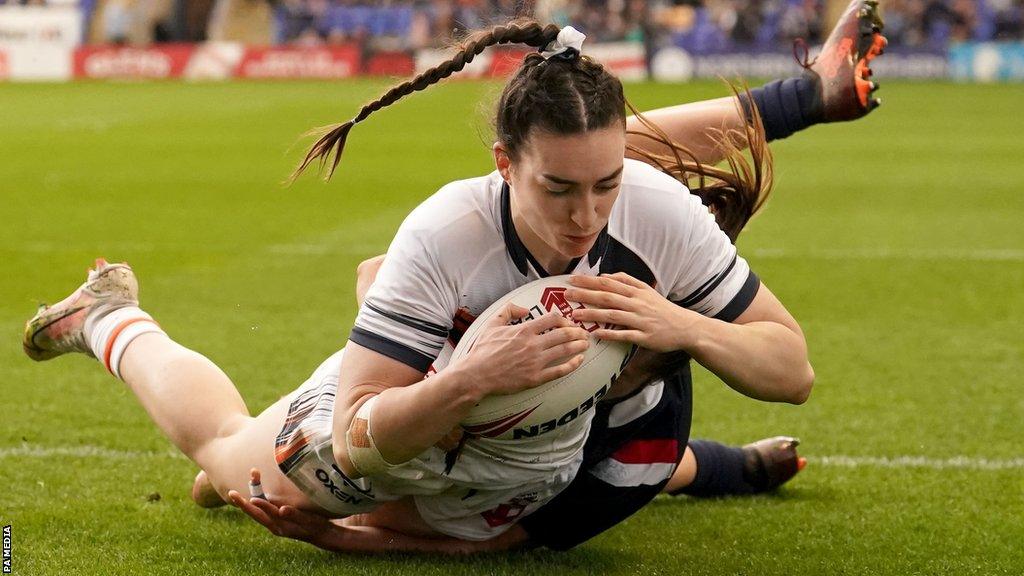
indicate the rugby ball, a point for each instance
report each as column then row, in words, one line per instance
column 536, row 412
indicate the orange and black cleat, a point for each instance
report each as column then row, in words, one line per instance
column 771, row 462
column 843, row 66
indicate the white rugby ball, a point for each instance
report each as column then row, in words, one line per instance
column 537, row 411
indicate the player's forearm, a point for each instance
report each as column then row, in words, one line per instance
column 763, row 360
column 386, row 413
column 695, row 125
column 374, row 540
column 407, row 420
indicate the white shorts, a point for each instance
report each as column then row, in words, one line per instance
column 454, row 505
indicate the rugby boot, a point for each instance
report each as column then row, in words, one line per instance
column 771, row 462
column 64, row 327
column 842, row 68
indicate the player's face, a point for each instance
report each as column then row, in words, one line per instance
column 563, row 189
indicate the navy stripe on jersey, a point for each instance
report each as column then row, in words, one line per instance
column 391, row 349
column 708, row 287
column 416, row 323
column 741, row 301
column 600, row 247
column 515, row 247
column 618, row 258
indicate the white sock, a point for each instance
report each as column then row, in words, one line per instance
column 111, row 334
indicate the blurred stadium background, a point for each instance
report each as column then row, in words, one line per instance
column 895, row 240
column 640, row 39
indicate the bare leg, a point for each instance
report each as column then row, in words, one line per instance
column 199, row 409
column 188, row 397
column 834, row 87
column 694, row 125
column 191, row 400
column 684, row 474
column 203, row 492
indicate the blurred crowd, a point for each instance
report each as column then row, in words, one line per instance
column 935, row 23
column 698, row 25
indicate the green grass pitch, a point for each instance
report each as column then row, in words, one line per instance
column 895, row 240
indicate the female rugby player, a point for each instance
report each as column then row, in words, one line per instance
column 376, row 448
column 834, row 88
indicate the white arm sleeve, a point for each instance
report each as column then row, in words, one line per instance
column 694, row 263
column 408, row 311
column 711, row 277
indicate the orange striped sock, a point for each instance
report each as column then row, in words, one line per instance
column 113, row 333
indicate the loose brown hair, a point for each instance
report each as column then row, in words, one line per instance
column 733, row 195
column 572, row 94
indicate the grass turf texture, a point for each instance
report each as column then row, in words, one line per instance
column 895, row 240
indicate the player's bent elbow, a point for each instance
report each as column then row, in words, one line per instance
column 353, row 445
column 370, row 266
column 345, row 416
column 804, row 385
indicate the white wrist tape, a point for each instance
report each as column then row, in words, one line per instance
column 362, row 450
column 256, row 490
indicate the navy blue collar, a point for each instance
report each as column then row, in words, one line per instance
column 522, row 257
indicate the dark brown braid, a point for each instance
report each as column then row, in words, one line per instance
column 522, row 31
column 575, row 94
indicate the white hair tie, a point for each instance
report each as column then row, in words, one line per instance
column 568, row 44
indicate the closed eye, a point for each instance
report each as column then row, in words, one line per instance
column 556, row 180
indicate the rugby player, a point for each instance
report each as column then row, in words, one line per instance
column 201, row 412
column 835, row 87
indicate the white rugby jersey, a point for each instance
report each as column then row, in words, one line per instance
column 458, row 252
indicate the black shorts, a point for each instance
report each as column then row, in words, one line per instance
column 625, row 465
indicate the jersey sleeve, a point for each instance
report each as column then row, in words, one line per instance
column 710, row 277
column 408, row 311
column 693, row 262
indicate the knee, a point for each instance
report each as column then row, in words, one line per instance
column 204, row 494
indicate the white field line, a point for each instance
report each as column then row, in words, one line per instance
column 31, row 451
column 323, row 249
column 837, row 461
column 937, row 254
column 331, row 246
column 64, row 248
column 907, row 254
column 953, row 463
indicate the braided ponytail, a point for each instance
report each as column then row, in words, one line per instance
column 521, row 31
